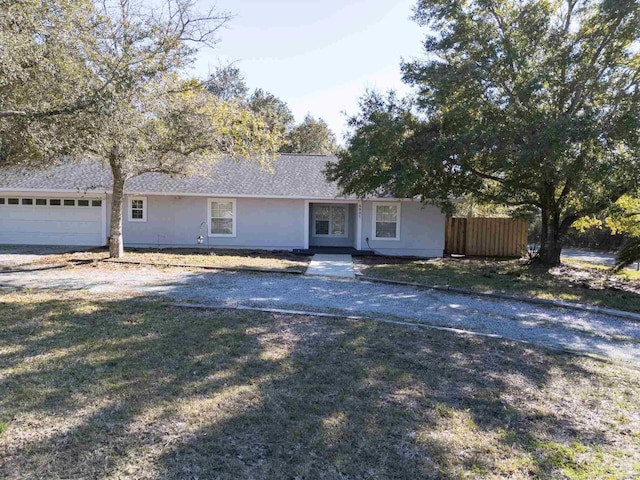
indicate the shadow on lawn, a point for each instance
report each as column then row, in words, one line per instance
column 135, row 389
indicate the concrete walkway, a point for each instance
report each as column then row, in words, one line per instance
column 331, row 265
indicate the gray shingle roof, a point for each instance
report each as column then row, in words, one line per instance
column 291, row 175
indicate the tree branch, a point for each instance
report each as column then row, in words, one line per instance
column 486, row 176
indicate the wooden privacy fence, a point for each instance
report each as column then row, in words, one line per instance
column 486, row 237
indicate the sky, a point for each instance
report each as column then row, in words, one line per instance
column 319, row 56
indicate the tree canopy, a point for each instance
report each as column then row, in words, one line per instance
column 274, row 111
column 531, row 104
column 311, row 136
column 48, row 52
column 228, row 83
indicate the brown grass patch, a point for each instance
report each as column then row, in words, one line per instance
column 573, row 282
column 261, row 259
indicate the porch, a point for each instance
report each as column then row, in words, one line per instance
column 332, row 225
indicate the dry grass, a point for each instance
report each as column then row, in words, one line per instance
column 276, row 260
column 109, row 388
column 578, row 282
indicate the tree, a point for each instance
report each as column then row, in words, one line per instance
column 156, row 120
column 147, row 117
column 272, row 110
column 228, row 83
column 46, row 74
column 624, row 217
column 311, row 136
column 526, row 104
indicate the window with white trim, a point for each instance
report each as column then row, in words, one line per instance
column 386, row 221
column 137, row 209
column 330, row 220
column 222, row 217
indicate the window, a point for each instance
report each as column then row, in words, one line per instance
column 27, row 201
column 330, row 220
column 55, row 202
column 222, row 217
column 1, row 201
column 386, row 221
column 96, row 203
column 137, row 209
column 12, row 201
column 83, row 203
column 69, row 203
column 41, row 201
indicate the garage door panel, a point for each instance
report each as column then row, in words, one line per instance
column 48, row 226
column 50, row 213
column 51, row 225
column 8, row 238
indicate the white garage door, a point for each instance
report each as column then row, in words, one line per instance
column 51, row 221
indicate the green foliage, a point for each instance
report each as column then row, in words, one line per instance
column 228, row 83
column 467, row 207
column 273, row 111
column 390, row 152
column 310, row 136
column 526, row 104
column 624, row 216
column 48, row 55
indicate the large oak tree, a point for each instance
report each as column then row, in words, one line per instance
column 48, row 50
column 156, row 120
column 531, row 104
column 127, row 101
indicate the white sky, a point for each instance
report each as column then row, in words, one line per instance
column 318, row 56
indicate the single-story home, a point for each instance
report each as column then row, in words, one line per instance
column 237, row 204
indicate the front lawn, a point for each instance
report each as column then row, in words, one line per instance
column 109, row 388
column 573, row 282
column 262, row 259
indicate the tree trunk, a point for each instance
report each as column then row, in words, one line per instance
column 550, row 240
column 116, row 247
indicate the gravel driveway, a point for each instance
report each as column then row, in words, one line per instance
column 583, row 331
